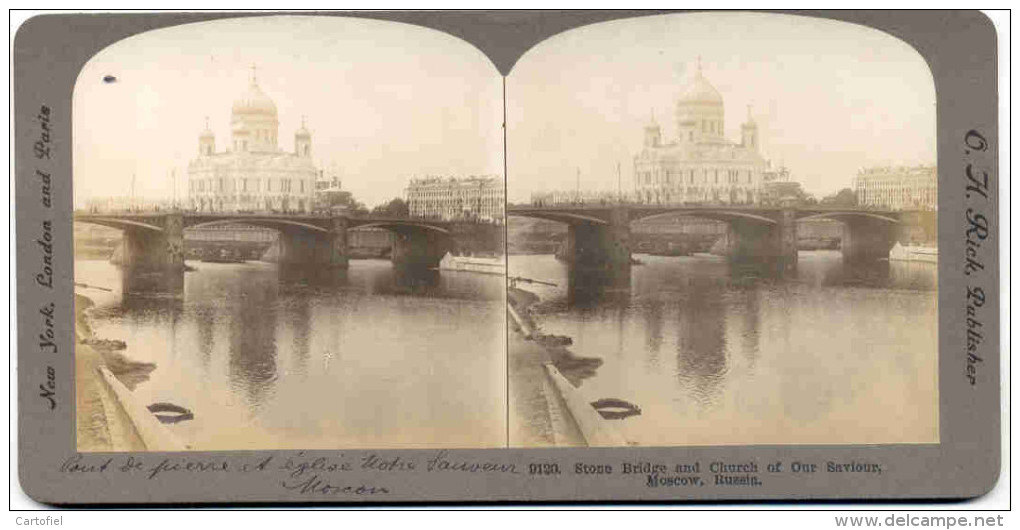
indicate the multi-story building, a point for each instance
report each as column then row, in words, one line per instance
column 898, row 188
column 476, row 198
column 253, row 173
column 700, row 166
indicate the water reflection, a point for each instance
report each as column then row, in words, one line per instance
column 299, row 311
column 882, row 274
column 297, row 277
column 592, row 288
column 716, row 352
column 416, row 281
column 205, row 324
column 653, row 317
column 252, row 340
column 748, row 312
column 913, row 275
column 283, row 357
column 152, row 283
column 701, row 340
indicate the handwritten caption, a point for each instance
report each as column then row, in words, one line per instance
column 300, row 474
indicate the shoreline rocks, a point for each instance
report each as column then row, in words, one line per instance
column 127, row 370
column 573, row 367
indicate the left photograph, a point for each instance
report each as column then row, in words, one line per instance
column 289, row 234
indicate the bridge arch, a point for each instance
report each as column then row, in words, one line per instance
column 713, row 215
column 569, row 218
column 392, row 225
column 261, row 222
column 841, row 215
column 119, row 224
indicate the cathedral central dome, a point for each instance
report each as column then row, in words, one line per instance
column 254, row 101
column 700, row 91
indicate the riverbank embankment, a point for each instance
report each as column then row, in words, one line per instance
column 108, row 417
column 548, row 409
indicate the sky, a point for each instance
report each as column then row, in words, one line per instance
column 829, row 97
column 384, row 101
column 387, row 101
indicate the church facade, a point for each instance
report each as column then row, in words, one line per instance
column 253, row 174
column 700, row 166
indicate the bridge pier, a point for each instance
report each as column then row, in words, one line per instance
column 867, row 240
column 338, row 256
column 771, row 245
column 600, row 247
column 297, row 247
column 149, row 250
column 419, row 248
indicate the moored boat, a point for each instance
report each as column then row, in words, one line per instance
column 473, row 264
column 914, row 253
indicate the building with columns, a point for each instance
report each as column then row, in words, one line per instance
column 898, row 188
column 469, row 198
column 700, row 165
column 253, row 174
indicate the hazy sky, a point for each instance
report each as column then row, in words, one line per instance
column 388, row 101
column 829, row 97
column 384, row 102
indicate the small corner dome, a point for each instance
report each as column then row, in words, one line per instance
column 303, row 132
column 254, row 101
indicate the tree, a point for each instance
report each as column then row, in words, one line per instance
column 395, row 208
column 844, row 198
column 787, row 193
column 357, row 208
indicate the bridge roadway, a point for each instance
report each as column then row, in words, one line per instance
column 598, row 236
column 155, row 240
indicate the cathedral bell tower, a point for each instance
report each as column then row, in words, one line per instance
column 303, row 141
column 653, row 134
column 749, row 132
column 206, row 141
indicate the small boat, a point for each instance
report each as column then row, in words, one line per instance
column 596, row 431
column 914, row 253
column 473, row 264
column 615, row 409
column 170, row 413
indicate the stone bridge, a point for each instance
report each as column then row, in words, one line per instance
column 155, row 241
column 598, row 236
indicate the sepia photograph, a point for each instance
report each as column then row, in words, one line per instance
column 406, row 258
column 289, row 234
column 722, row 231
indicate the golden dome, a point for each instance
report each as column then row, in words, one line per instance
column 700, row 91
column 254, row 102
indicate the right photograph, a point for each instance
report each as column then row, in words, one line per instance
column 722, row 230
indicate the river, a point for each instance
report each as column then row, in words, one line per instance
column 273, row 359
column 714, row 355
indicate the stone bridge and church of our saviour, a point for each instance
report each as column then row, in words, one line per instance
column 154, row 241
column 598, row 236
